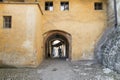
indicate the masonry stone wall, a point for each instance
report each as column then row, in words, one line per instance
column 107, row 50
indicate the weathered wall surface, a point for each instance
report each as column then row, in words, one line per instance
column 83, row 23
column 17, row 45
column 26, row 48
column 110, row 28
column 38, row 37
column 108, row 49
column 118, row 11
column 110, row 13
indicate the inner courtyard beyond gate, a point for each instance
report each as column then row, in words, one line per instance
column 57, row 44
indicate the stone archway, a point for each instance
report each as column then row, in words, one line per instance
column 57, row 44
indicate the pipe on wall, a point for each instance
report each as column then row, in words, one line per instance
column 115, row 12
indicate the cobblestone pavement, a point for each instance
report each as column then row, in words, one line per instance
column 60, row 70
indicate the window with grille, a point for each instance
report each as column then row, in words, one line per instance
column 7, row 21
column 98, row 5
column 49, row 6
column 64, row 6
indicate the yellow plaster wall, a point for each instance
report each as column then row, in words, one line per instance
column 39, row 37
column 17, row 45
column 83, row 23
column 22, row 45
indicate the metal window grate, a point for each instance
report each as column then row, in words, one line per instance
column 98, row 5
column 49, row 6
column 64, row 6
column 7, row 21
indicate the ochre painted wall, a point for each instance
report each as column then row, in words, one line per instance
column 17, row 45
column 81, row 21
column 38, row 37
column 23, row 44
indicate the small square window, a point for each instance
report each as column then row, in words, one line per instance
column 64, row 6
column 98, row 5
column 49, row 6
column 1, row 0
column 7, row 21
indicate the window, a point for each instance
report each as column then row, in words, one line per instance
column 49, row 6
column 1, row 0
column 98, row 5
column 64, row 6
column 7, row 22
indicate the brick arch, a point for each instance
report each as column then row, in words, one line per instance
column 60, row 35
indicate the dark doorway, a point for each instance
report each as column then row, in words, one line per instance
column 57, row 46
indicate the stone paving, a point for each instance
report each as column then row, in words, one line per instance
column 60, row 70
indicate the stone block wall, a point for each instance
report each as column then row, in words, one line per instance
column 107, row 51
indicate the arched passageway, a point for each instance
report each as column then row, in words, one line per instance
column 57, row 45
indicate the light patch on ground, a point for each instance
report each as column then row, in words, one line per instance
column 99, row 77
column 88, row 68
column 39, row 71
column 109, row 78
column 107, row 70
column 84, row 74
column 76, row 70
column 89, row 64
column 76, row 67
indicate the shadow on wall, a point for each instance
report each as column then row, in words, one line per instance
column 6, row 66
